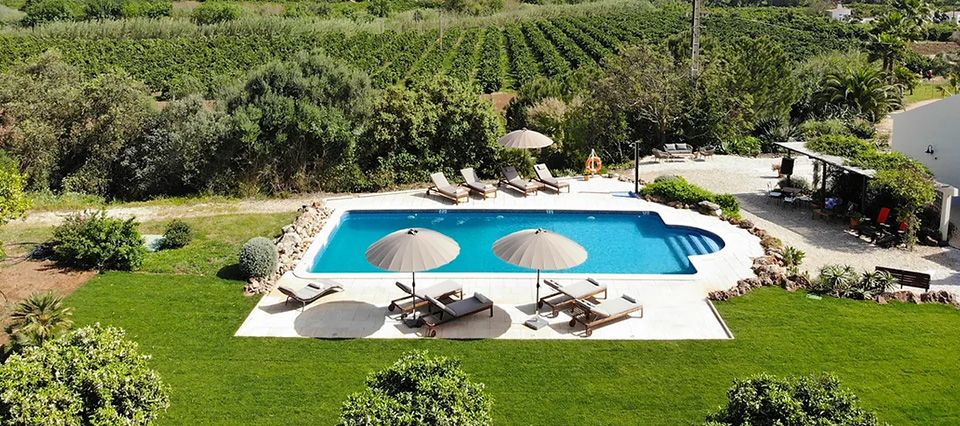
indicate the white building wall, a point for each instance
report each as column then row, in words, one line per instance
column 938, row 125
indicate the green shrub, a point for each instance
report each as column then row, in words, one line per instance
column 93, row 375
column 95, row 241
column 792, row 258
column 101, row 9
column 813, row 128
column 678, row 189
column 419, row 389
column 177, row 234
column 810, row 400
column 841, row 145
column 862, row 128
column 215, row 12
column 874, row 283
column 258, row 258
column 747, row 146
column 145, row 8
column 42, row 11
column 794, row 182
column 13, row 202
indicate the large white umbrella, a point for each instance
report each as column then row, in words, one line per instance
column 413, row 250
column 539, row 249
column 525, row 139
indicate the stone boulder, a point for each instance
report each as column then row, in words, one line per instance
column 709, row 208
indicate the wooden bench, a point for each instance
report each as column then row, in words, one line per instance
column 908, row 278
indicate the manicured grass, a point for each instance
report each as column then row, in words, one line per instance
column 900, row 359
column 216, row 242
column 924, row 91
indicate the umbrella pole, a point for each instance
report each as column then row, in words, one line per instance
column 537, row 322
column 412, row 322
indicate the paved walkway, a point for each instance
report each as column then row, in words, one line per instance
column 675, row 306
column 825, row 242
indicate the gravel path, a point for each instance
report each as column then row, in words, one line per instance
column 824, row 242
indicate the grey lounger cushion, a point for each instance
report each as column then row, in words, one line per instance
column 510, row 175
column 310, row 291
column 579, row 289
column 471, row 180
column 444, row 187
column 544, row 175
column 463, row 307
column 612, row 307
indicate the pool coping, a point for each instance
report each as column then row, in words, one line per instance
column 729, row 257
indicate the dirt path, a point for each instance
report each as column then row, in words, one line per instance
column 154, row 213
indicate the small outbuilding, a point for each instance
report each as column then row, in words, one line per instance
column 840, row 13
column 930, row 134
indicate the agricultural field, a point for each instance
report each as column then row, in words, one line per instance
column 495, row 54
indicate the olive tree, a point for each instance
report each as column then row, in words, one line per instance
column 93, row 375
column 419, row 390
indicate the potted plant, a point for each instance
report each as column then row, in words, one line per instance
column 776, row 167
column 855, row 219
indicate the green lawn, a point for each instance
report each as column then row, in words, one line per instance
column 900, row 359
column 924, row 91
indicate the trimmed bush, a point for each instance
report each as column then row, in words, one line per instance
column 258, row 258
column 95, row 241
column 841, row 145
column 177, row 234
column 810, row 400
column 93, row 375
column 419, row 389
column 747, row 146
column 215, row 12
column 677, row 188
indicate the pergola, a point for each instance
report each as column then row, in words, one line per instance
column 800, row 148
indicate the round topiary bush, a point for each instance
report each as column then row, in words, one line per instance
column 258, row 258
column 177, row 234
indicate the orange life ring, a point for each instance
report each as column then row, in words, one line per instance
column 593, row 164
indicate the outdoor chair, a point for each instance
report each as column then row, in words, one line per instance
column 446, row 190
column 875, row 229
column 888, row 238
column 829, row 208
column 908, row 278
column 662, row 155
column 445, row 290
column 447, row 312
column 310, row 292
column 513, row 180
column 546, row 178
column 595, row 315
column 565, row 295
column 706, row 152
column 473, row 184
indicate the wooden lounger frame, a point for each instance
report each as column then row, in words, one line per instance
column 431, row 321
column 557, row 307
column 408, row 308
column 583, row 316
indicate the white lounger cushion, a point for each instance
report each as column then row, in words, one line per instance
column 611, row 307
column 436, row 290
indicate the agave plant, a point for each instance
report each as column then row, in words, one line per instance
column 39, row 318
column 836, row 280
column 874, row 283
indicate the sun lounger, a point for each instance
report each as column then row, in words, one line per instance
column 546, row 178
column 474, row 185
column 310, row 292
column 512, row 179
column 594, row 315
column 446, row 190
column 445, row 290
column 564, row 295
column 446, row 312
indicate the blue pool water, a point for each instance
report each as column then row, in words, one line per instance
column 616, row 243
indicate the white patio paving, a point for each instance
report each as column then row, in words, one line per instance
column 675, row 306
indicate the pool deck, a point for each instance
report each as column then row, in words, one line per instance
column 675, row 306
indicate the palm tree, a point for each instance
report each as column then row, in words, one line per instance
column 39, row 318
column 862, row 90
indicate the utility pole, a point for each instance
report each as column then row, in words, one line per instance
column 695, row 41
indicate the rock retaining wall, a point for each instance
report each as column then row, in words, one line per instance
column 292, row 244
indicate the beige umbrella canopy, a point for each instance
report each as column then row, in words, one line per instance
column 525, row 139
column 539, row 249
column 412, row 250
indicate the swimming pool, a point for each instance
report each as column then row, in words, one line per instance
column 616, row 242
